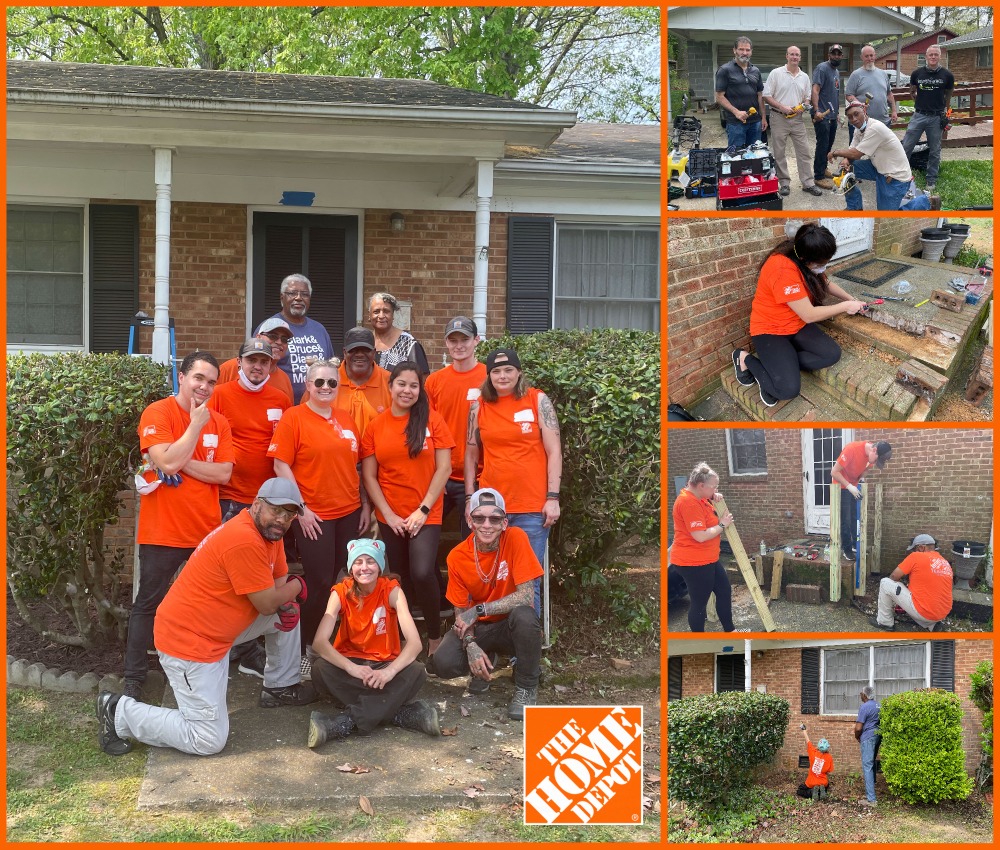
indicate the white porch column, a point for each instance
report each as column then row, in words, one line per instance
column 746, row 664
column 484, row 194
column 161, row 299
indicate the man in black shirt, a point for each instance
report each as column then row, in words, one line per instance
column 738, row 87
column 931, row 88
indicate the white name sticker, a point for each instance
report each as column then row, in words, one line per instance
column 349, row 435
column 472, row 394
column 210, row 441
column 273, row 414
column 428, row 430
column 524, row 415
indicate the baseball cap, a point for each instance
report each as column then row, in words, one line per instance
column 511, row 359
column 366, row 546
column 859, row 104
column 836, row 48
column 273, row 324
column 256, row 346
column 487, row 498
column 462, row 325
column 884, row 454
column 921, row 540
column 359, row 338
column 281, row 492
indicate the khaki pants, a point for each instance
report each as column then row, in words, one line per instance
column 780, row 128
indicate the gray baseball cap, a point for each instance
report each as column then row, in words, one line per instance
column 921, row 540
column 256, row 346
column 462, row 325
column 272, row 324
column 281, row 492
column 487, row 498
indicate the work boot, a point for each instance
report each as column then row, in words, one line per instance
column 132, row 689
column 824, row 184
column 827, row 173
column 815, row 793
column 874, row 621
column 298, row 694
column 822, row 792
column 481, row 686
column 420, row 716
column 107, row 737
column 522, row 697
column 323, row 728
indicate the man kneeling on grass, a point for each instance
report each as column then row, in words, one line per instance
column 820, row 764
column 234, row 588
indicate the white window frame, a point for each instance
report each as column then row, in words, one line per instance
column 941, row 39
column 592, row 224
column 871, row 669
column 921, row 60
column 84, row 203
column 729, row 453
column 988, row 47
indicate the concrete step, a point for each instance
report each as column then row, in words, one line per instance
column 810, row 407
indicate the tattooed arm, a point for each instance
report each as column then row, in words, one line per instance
column 479, row 663
column 473, row 447
column 553, row 454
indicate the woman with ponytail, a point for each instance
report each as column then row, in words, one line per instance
column 791, row 288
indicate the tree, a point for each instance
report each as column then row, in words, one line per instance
column 602, row 61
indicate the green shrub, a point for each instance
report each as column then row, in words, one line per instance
column 982, row 697
column 605, row 386
column 715, row 740
column 922, row 756
column 72, row 437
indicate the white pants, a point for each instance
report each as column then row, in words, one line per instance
column 887, row 600
column 200, row 723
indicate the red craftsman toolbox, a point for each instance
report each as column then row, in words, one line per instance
column 741, row 187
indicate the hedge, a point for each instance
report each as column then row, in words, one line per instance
column 714, row 741
column 922, row 756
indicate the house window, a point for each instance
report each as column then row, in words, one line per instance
column 607, row 277
column 921, row 60
column 890, row 669
column 747, row 451
column 729, row 673
column 890, row 64
column 45, row 276
column 984, row 56
column 675, row 677
column 942, row 39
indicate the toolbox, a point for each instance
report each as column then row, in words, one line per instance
column 730, row 188
column 735, row 167
column 768, row 202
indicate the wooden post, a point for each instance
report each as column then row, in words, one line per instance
column 745, row 568
column 834, row 541
column 779, row 559
column 896, row 248
column 710, row 612
column 863, row 540
column 759, row 562
column 876, row 562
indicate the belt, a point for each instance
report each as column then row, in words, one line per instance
column 923, row 112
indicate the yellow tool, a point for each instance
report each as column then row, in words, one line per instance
column 800, row 107
column 921, row 304
column 750, row 111
column 844, row 182
column 676, row 163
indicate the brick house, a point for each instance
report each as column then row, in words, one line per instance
column 776, row 482
column 821, row 679
column 912, row 50
column 970, row 57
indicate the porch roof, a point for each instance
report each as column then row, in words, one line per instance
column 586, row 142
column 976, row 38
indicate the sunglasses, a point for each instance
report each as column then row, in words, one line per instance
column 319, row 383
column 487, row 520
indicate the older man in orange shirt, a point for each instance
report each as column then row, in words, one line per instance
column 927, row 599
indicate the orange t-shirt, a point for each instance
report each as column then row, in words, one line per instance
column 371, row 631
column 229, row 371
column 182, row 516
column 252, row 418
column 363, row 401
column 820, row 764
column 780, row 281
column 207, row 608
column 693, row 514
column 323, row 455
column 930, row 583
column 515, row 564
column 405, row 480
column 514, row 459
column 853, row 461
column 451, row 394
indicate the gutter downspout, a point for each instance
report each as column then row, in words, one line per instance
column 162, row 174
column 899, row 59
column 746, row 665
column 484, row 195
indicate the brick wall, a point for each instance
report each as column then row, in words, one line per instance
column 962, row 63
column 906, row 231
column 701, row 68
column 939, row 482
column 780, row 671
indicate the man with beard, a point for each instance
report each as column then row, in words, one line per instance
column 234, row 588
column 738, row 87
column 869, row 80
column 825, row 99
column 364, row 385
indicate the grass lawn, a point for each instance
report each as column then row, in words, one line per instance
column 961, row 184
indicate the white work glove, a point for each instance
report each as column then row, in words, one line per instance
column 854, row 491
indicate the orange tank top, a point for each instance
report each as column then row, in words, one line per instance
column 370, row 631
column 514, row 459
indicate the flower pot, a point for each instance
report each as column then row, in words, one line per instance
column 933, row 248
column 976, row 550
column 936, row 233
column 954, row 246
column 964, row 570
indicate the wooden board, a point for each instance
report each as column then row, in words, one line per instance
column 834, row 541
column 779, row 559
column 759, row 564
column 863, row 540
column 746, row 568
column 710, row 613
column 876, row 562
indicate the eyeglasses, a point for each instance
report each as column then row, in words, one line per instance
column 277, row 337
column 281, row 513
column 319, row 383
column 297, row 293
column 487, row 520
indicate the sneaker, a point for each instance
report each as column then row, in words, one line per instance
column 784, row 191
column 292, row 695
column 929, row 188
column 420, row 716
column 743, row 376
column 481, row 686
column 822, row 792
column 305, row 668
column 813, row 190
column 107, row 737
column 253, row 661
column 323, row 728
column 874, row 621
column 767, row 398
column 870, row 804
column 522, row 697
column 824, row 184
column 849, row 556
column 132, row 689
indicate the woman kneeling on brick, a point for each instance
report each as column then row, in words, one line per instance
column 788, row 304
column 364, row 668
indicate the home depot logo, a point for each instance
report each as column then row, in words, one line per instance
column 582, row 764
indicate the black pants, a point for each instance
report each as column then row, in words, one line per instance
column 415, row 560
column 368, row 707
column 321, row 559
column 454, row 497
column 805, row 791
column 157, row 565
column 702, row 582
column 780, row 358
column 519, row 635
column 825, row 133
column 848, row 521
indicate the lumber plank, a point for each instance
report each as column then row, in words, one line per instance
column 779, row 559
column 863, row 540
column 711, row 614
column 876, row 562
column 759, row 564
column 745, row 567
column 834, row 541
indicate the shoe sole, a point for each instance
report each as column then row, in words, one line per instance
column 268, row 701
column 768, row 403
column 108, row 739
column 315, row 733
column 251, row 671
column 736, row 366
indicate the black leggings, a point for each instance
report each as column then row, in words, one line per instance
column 702, row 582
column 321, row 559
column 414, row 559
column 779, row 359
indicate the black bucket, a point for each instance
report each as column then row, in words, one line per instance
column 935, row 233
column 976, row 550
column 959, row 229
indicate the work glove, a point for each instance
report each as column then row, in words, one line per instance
column 174, row 480
column 854, row 491
column 302, row 593
column 288, row 617
column 802, row 726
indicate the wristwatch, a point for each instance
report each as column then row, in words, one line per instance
column 425, row 510
column 480, row 611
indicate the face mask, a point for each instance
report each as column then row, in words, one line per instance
column 254, row 388
column 819, row 270
column 862, row 127
column 835, row 62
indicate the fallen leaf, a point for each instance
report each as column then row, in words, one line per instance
column 447, row 732
column 366, row 806
column 513, row 752
column 346, row 767
column 620, row 664
column 487, row 723
column 561, row 689
column 480, row 787
column 470, row 792
column 653, row 776
column 647, row 802
column 656, row 807
column 466, row 712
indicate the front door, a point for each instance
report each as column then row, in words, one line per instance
column 820, row 449
column 322, row 247
column 853, row 235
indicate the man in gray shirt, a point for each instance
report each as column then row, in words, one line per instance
column 825, row 94
column 866, row 730
column 874, row 81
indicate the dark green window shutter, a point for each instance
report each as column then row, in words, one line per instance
column 810, row 681
column 730, row 673
column 943, row 664
column 114, row 275
column 675, row 669
column 529, row 273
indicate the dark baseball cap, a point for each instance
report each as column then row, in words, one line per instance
column 836, row 48
column 509, row 358
column 884, row 454
column 359, row 338
column 462, row 325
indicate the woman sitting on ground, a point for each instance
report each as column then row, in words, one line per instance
column 364, row 667
column 788, row 304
